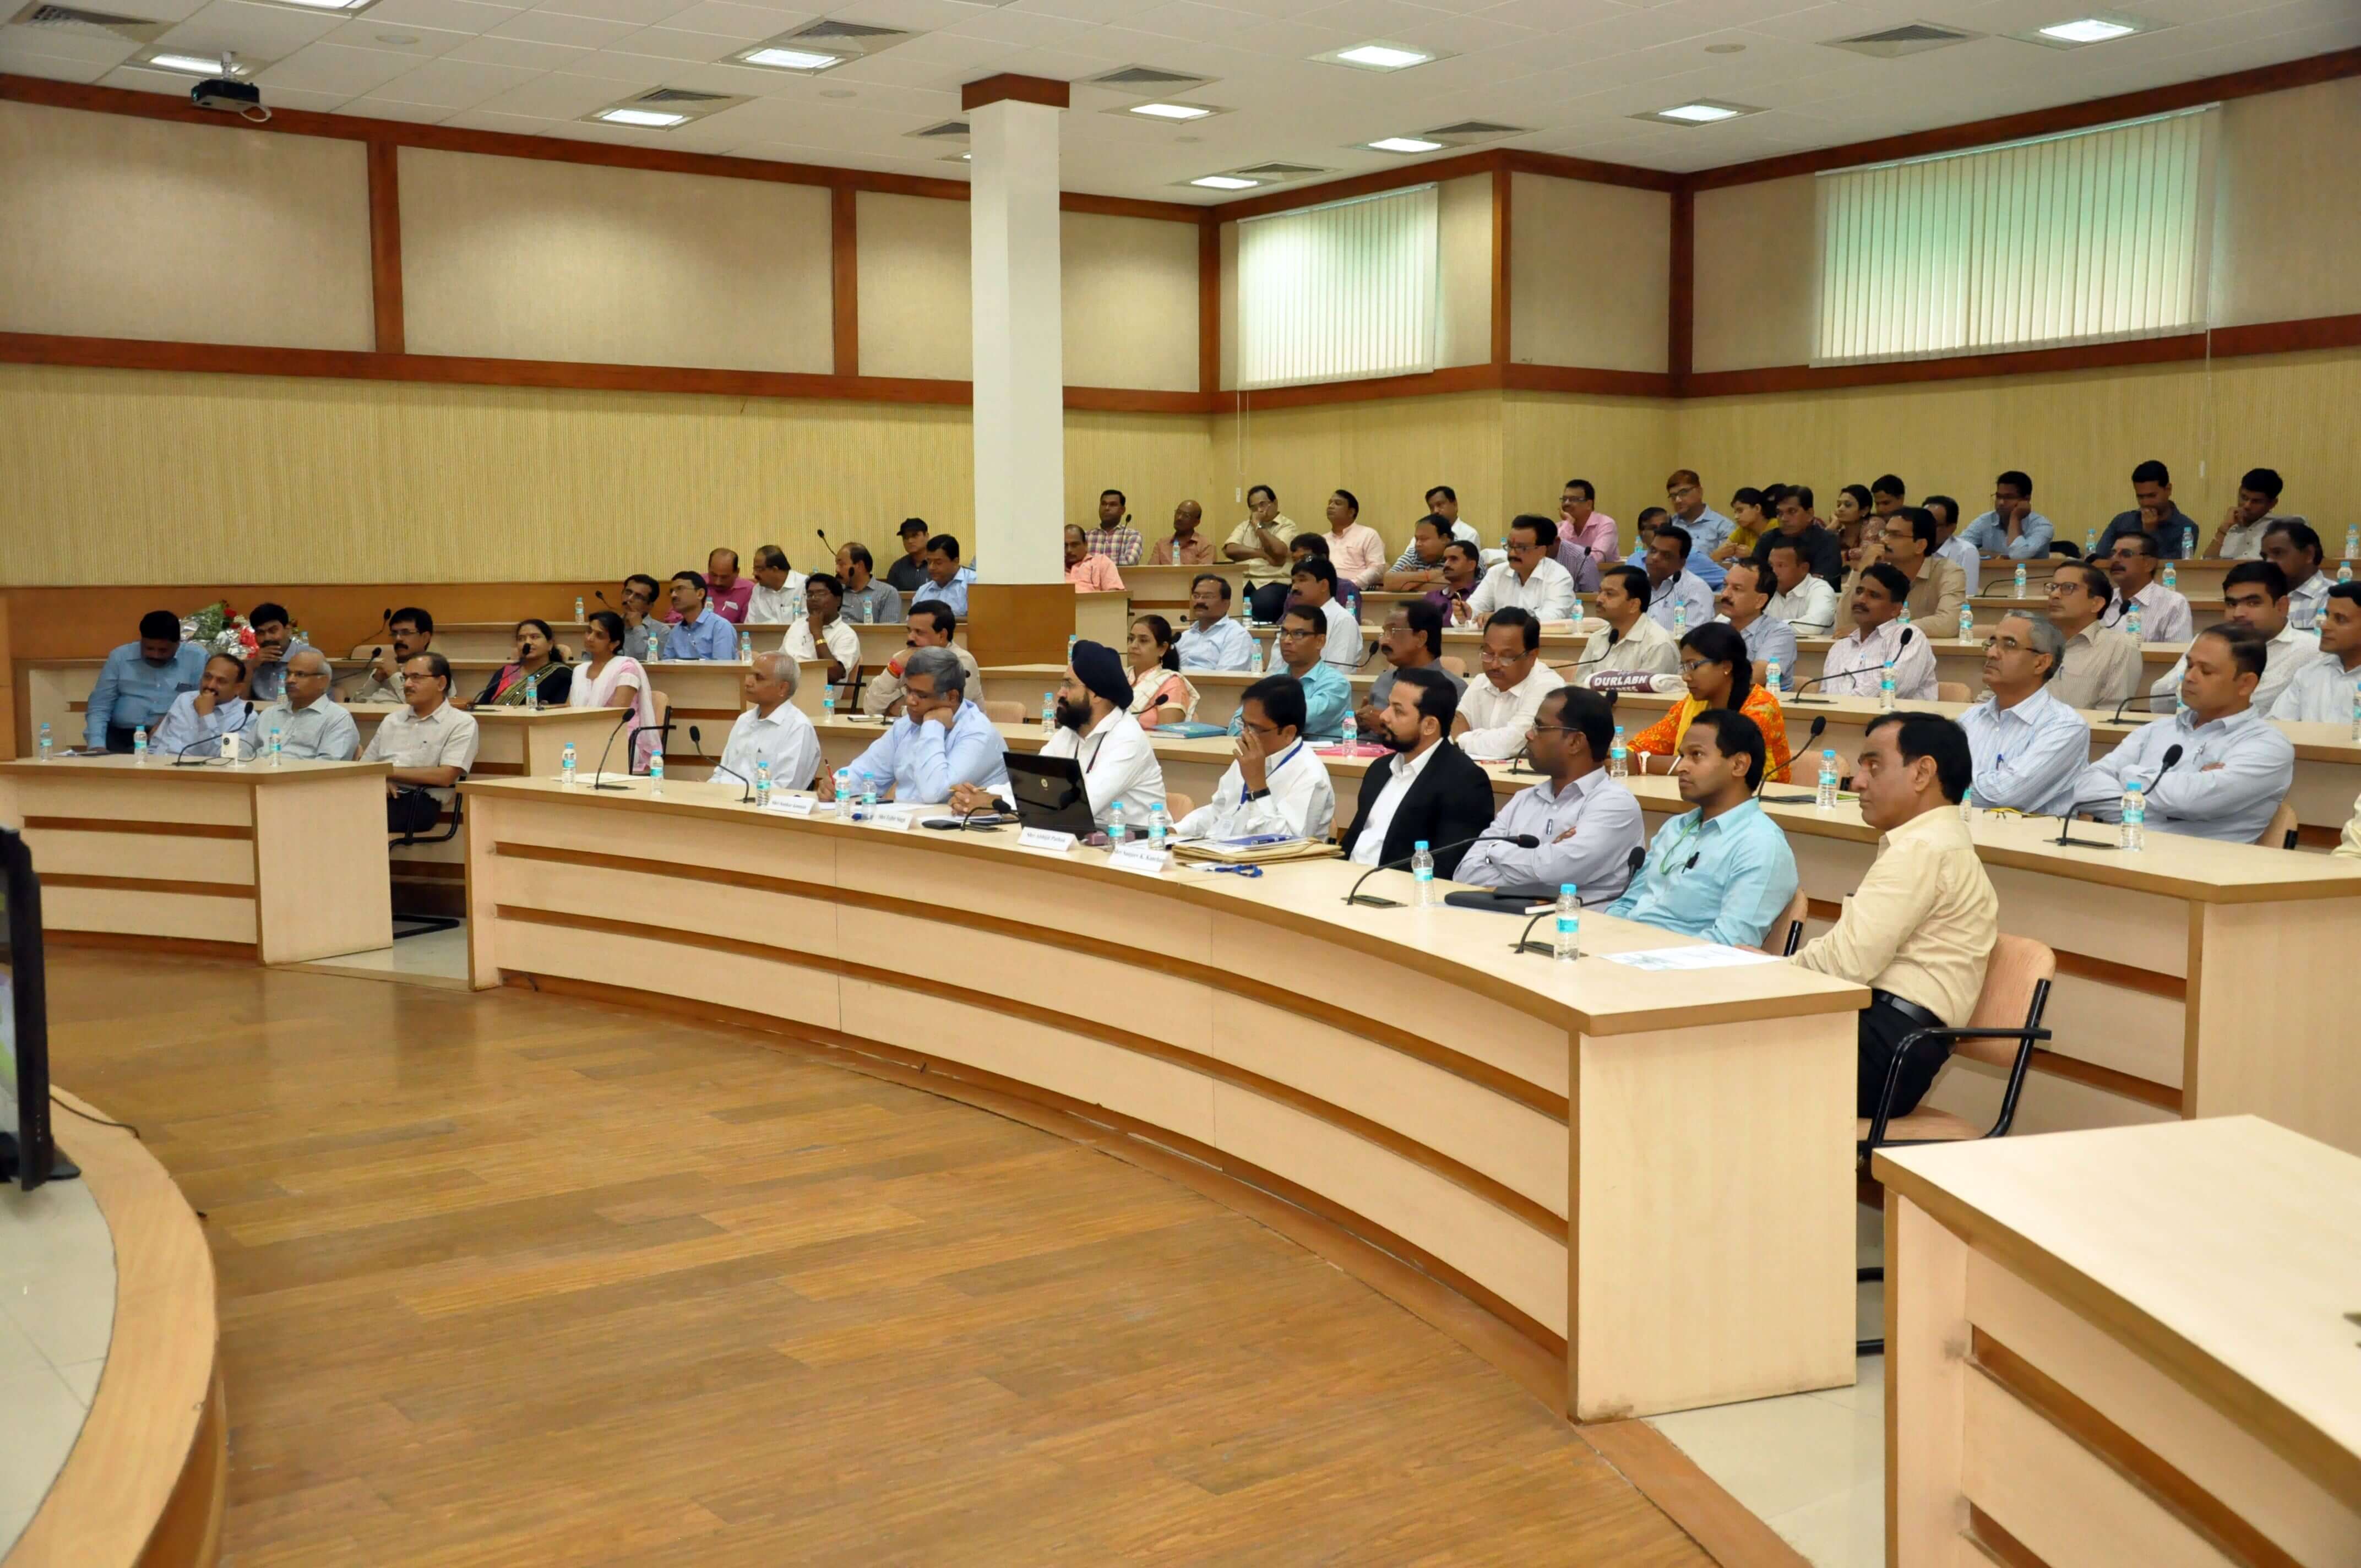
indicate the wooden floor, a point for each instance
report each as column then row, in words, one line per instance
column 513, row 1279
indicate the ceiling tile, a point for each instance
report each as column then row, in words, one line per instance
column 272, row 32
column 730, row 20
column 425, row 43
column 455, row 16
column 672, row 43
column 576, row 32
column 514, row 125
column 641, row 13
column 631, row 70
column 332, row 68
column 558, row 96
column 131, row 77
column 384, row 109
column 491, row 50
column 1028, row 28
column 456, row 83
column 1099, row 12
column 17, row 62
column 64, row 44
column 915, row 15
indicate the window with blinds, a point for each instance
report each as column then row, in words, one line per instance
column 1338, row 292
column 2075, row 238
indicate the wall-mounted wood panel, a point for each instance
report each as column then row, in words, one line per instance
column 1590, row 269
column 2289, row 213
column 916, row 317
column 1128, row 287
column 1756, row 249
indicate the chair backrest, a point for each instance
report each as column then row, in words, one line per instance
column 2280, row 834
column 1953, row 691
column 2017, row 970
column 1178, row 806
column 1455, row 664
column 1004, row 712
column 1788, row 929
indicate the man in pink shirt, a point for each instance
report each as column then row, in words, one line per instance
column 1090, row 573
column 726, row 591
column 1585, row 536
column 1355, row 549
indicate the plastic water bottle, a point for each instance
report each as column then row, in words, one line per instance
column 2135, row 829
column 1421, row 875
column 864, row 616
column 577, row 609
column 656, row 773
column 1618, row 760
column 1254, row 657
column 2352, row 540
column 1904, row 618
column 1160, row 824
column 278, row 745
column 2356, row 713
column 1885, row 692
column 868, row 798
column 2020, row 578
column 2171, row 577
column 1567, row 945
column 1771, row 677
column 1048, row 711
column 1352, row 728
column 1967, row 804
column 1072, row 641
column 138, row 745
column 2188, row 540
column 532, row 690
column 1680, row 618
column 567, row 763
column 762, row 781
column 2344, row 571
column 2132, row 622
column 827, row 704
column 2090, row 543
column 1576, row 612
column 1826, row 799
column 745, row 647
column 45, row 744
column 1967, row 624
column 844, row 789
column 1115, row 829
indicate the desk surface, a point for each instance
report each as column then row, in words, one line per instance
column 2224, row 1248
column 121, row 769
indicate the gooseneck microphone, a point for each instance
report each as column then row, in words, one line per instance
column 2117, row 716
column 2065, row 833
column 181, row 758
column 1819, row 723
column 1524, row 943
column 697, row 740
column 599, row 778
column 1797, row 694
column 1370, row 900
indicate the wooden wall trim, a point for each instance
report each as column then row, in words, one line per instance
column 1209, row 310
column 385, row 246
column 1592, row 383
column 1008, row 87
column 1503, row 182
column 844, row 278
column 1680, row 312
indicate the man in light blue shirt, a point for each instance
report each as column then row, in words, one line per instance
column 275, row 644
column 1212, row 641
column 1723, row 872
column 2028, row 747
column 1952, row 545
column 945, row 579
column 215, row 709
column 940, row 740
column 699, row 633
column 2012, row 529
column 310, row 723
column 1707, row 528
column 1327, row 690
column 140, row 680
column 1678, row 600
column 2234, row 767
column 1744, row 602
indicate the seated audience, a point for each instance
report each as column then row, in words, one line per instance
column 275, row 641
column 1462, row 575
column 1936, row 589
column 1587, row 823
column 932, row 625
column 2164, row 612
column 2028, row 747
column 1953, row 548
column 2157, row 515
column 699, row 633
column 534, row 678
column 1887, row 495
column 1302, row 548
column 1749, row 522
column 138, row 681
column 725, row 590
column 2235, row 769
column 1856, row 664
column 1327, row 692
column 1428, row 791
column 1089, row 571
column 869, row 602
column 1533, row 581
column 430, row 744
column 2102, row 666
column 1817, row 551
column 1587, row 538
column 215, row 708
column 611, row 678
column 2296, row 551
column 1722, row 871
column 1212, row 641
column 1420, row 567
column 310, row 723
column 823, row 632
column 1185, row 546
column 2011, row 531
column 1703, row 529
column 1095, row 725
column 1497, row 711
column 771, row 729
column 2254, row 594
column 1412, row 640
column 1679, row 599
column 2240, row 535
column 1160, row 694
column 1113, row 538
column 1260, row 544
column 1443, row 503
column 1802, row 598
column 1745, row 606
column 1278, row 782
column 1719, row 674
column 2323, row 690
column 1355, row 549
column 1920, row 929
column 908, row 571
column 1631, row 641
column 1852, row 517
column 1315, row 587
column 943, row 748
column 777, row 597
column 945, row 578
column 410, row 632
column 643, row 629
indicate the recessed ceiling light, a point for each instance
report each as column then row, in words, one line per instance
column 1170, row 111
column 2087, row 30
column 1377, row 55
column 1403, row 144
column 1701, row 112
column 649, row 119
column 1225, row 183
column 193, row 64
column 781, row 59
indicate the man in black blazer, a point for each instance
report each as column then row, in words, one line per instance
column 1428, row 789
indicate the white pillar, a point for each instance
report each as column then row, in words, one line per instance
column 1020, row 439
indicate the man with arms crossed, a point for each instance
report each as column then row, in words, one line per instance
column 1261, row 543
column 2028, row 747
column 1722, row 871
column 1534, row 580
column 1278, row 782
column 943, row 748
column 1799, row 596
column 1588, row 824
column 1184, row 546
column 430, row 744
column 2234, row 768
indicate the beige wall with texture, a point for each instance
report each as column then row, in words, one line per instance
column 1589, row 274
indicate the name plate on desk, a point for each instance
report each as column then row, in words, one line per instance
column 893, row 821
column 1048, row 838
column 796, row 804
column 1139, row 858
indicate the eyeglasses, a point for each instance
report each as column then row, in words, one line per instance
column 1545, row 729
column 2003, row 645
column 1298, row 633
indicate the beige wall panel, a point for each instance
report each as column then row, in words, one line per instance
column 1386, row 453
column 514, row 259
column 1757, row 253
column 106, row 220
column 914, row 313
column 1464, row 273
column 1157, row 460
column 1589, row 274
column 1624, row 447
column 2291, row 213
column 1129, row 292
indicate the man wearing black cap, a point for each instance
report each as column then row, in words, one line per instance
column 1428, row 790
column 1095, row 725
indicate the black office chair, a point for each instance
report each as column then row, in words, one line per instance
column 419, row 924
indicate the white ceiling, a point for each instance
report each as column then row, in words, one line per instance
column 1574, row 70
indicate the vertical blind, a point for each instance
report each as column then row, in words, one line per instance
column 1332, row 293
column 2074, row 238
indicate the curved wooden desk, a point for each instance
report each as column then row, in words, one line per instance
column 1648, row 1174
column 144, row 1484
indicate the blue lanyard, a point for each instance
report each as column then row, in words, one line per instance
column 1283, row 760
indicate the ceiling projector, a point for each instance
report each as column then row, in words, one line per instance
column 230, row 94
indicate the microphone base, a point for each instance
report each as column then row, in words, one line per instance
column 1539, row 950
column 2084, row 844
column 1789, row 799
column 1808, row 701
column 597, row 784
column 1372, row 901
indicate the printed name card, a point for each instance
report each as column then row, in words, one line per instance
column 1047, row 839
column 794, row 804
column 893, row 821
column 1141, row 859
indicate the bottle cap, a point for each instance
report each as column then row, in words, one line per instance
column 1421, row 844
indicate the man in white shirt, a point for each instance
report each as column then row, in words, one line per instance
column 2100, row 667
column 1856, row 664
column 1805, row 600
column 196, row 719
column 1632, row 641
column 1588, row 824
column 1095, row 725
column 778, row 596
column 2163, row 612
column 2240, row 535
column 430, row 744
column 2321, row 690
column 823, row 625
column 1952, row 547
column 1496, row 711
column 1315, row 589
column 2296, row 551
column 2254, row 594
column 933, row 624
column 2029, row 747
column 311, row 723
column 1279, row 783
column 1532, row 581
column 1212, row 641
column 2234, row 768
column 771, row 729
column 1678, row 598
column 1443, row 503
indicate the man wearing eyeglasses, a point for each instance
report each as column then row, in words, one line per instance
column 1327, row 693
column 2028, row 747
column 1494, row 712
column 430, row 744
column 1707, row 528
column 1587, row 823
column 1722, row 871
column 2100, row 666
column 1276, row 783
column 1534, row 581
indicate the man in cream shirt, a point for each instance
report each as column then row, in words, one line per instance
column 1495, row 710
column 1278, row 784
column 1633, row 640
column 2102, row 666
column 1805, row 600
column 1880, row 644
column 1095, row 727
column 932, row 625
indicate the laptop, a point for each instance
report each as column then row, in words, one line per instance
column 1050, row 793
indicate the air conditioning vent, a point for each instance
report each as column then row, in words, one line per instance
column 1147, row 79
column 950, row 130
column 1277, row 171
column 1910, row 38
column 662, row 108
column 1474, row 130
column 68, row 18
column 677, row 95
column 847, row 32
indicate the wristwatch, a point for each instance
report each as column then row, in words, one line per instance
column 1251, row 794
